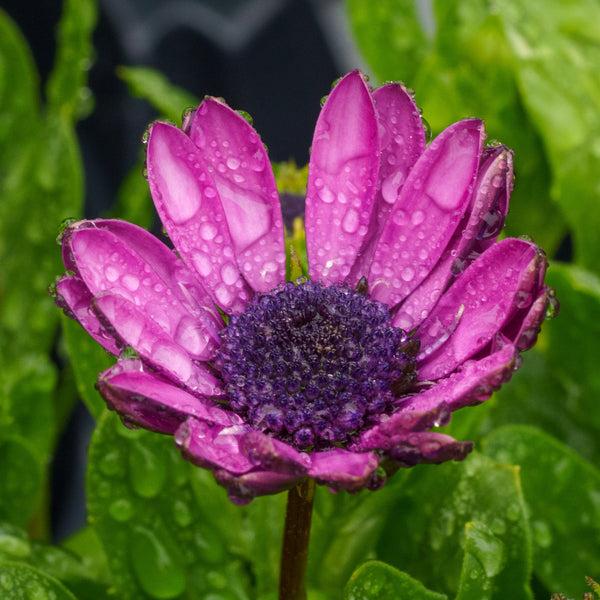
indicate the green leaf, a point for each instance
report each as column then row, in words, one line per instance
column 556, row 47
column 470, row 71
column 170, row 100
column 67, row 93
column 379, row 581
column 80, row 575
column 19, row 94
column 558, row 386
column 88, row 358
column 27, row 384
column 469, row 513
column 22, row 582
column 143, row 508
column 37, row 197
column 389, row 35
column 562, row 492
column 21, row 480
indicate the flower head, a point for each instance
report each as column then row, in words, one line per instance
column 412, row 309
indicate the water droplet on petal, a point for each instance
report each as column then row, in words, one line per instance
column 233, row 163
column 350, row 221
column 326, row 196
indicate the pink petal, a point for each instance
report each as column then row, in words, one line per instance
column 428, row 447
column 134, row 327
column 341, row 469
column 168, row 266
column 269, row 454
column 73, row 296
column 430, row 206
column 529, row 326
column 186, row 198
column 146, row 400
column 473, row 383
column 477, row 306
column 342, row 179
column 242, row 489
column 402, row 422
column 212, row 446
column 483, row 222
column 107, row 262
column 402, row 141
column 241, row 171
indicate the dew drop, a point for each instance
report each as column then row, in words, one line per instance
column 229, row 274
column 418, row 217
column 202, row 263
column 159, row 572
column 351, row 221
column 131, row 282
column 233, row 163
column 121, row 510
column 182, row 514
column 111, row 274
column 326, row 195
column 147, row 470
column 408, row 274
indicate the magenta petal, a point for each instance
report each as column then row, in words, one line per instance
column 186, row 198
column 242, row 489
column 401, row 141
column 341, row 469
column 473, row 383
column 241, row 171
column 481, row 226
column 73, row 296
column 269, row 454
column 108, row 263
column 477, row 306
column 403, row 422
column 342, row 179
column 529, row 326
column 146, row 400
column 133, row 327
column 426, row 447
column 213, row 446
column 167, row 265
column 430, row 206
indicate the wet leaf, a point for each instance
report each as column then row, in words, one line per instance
column 67, row 93
column 18, row 92
column 27, row 385
column 556, row 48
column 21, row 480
column 144, row 510
column 562, row 492
column 473, row 515
column 170, row 100
column 389, row 35
column 23, row 582
column 379, row 581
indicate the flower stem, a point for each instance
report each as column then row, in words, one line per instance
column 296, row 536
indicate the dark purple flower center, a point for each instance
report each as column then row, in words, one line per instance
column 313, row 365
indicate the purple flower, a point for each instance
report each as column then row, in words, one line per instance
column 412, row 309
